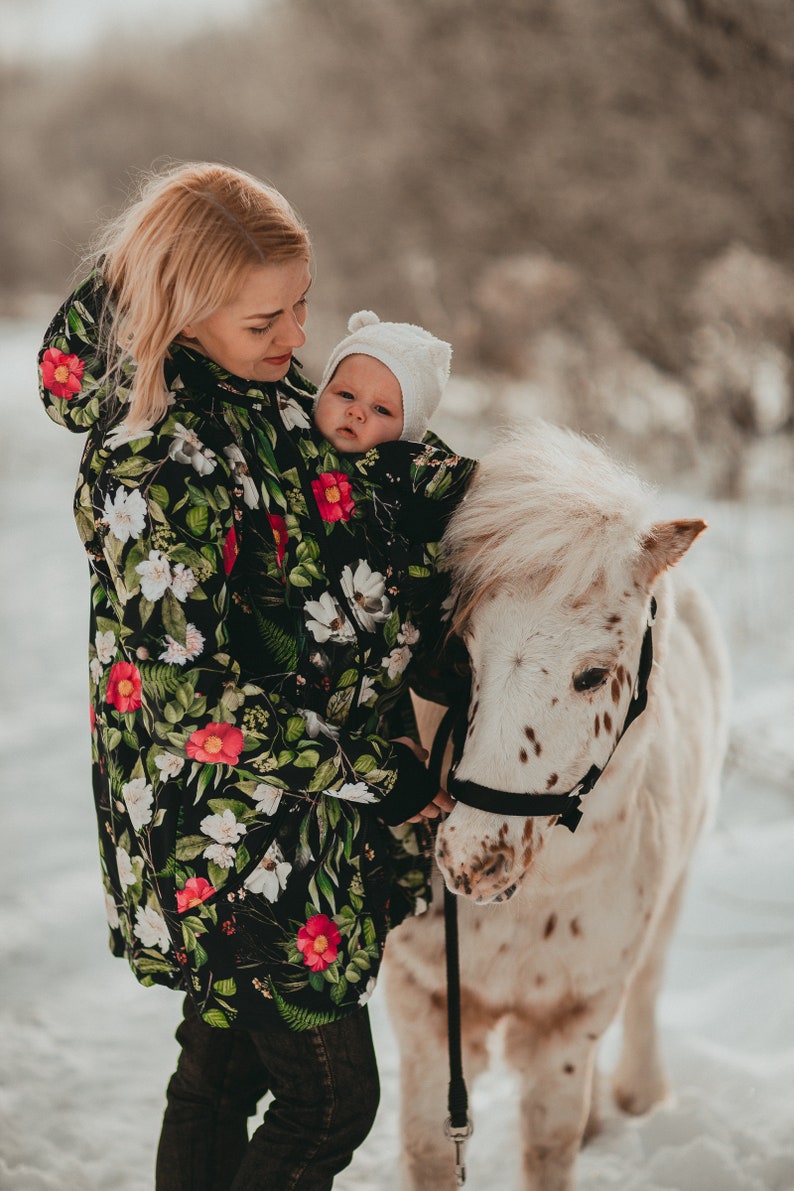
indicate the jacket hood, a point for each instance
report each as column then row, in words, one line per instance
column 73, row 363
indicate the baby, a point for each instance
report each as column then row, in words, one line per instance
column 382, row 383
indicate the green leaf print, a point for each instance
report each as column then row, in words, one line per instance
column 298, row 1018
column 197, row 519
column 174, row 618
column 280, row 645
column 190, row 846
column 324, row 776
column 159, row 494
column 225, row 988
column 216, row 1018
column 339, row 991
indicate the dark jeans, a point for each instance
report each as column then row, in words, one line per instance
column 325, row 1090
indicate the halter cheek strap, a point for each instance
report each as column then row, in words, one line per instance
column 566, row 806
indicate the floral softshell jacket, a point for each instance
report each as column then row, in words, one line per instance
column 254, row 609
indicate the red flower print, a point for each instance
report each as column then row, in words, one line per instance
column 230, row 551
column 91, row 716
column 332, row 493
column 61, row 374
column 124, row 687
column 279, row 527
column 217, row 744
column 319, row 941
column 196, row 891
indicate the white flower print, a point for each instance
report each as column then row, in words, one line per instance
column 123, row 434
column 150, row 928
column 155, row 575
column 368, row 692
column 111, row 913
column 177, row 654
column 124, row 865
column 365, row 589
column 326, row 621
column 369, row 989
column 315, row 724
column 169, row 765
column 242, row 476
column 220, row 854
column 408, row 634
column 270, row 875
column 182, row 582
column 397, row 661
column 448, row 607
column 187, row 447
column 223, row 828
column 291, row 413
column 353, row 792
column 268, row 798
column 105, row 646
column 137, row 795
column 95, row 667
column 194, row 641
column 125, row 515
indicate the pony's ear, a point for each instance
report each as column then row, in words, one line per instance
column 664, row 545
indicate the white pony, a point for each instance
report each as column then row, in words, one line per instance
column 556, row 564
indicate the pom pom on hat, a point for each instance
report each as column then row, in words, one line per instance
column 362, row 318
column 420, row 362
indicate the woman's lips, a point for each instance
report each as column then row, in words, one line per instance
column 277, row 361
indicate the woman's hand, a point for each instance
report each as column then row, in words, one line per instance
column 442, row 803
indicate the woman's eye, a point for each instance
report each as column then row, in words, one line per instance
column 261, row 330
column 590, row 680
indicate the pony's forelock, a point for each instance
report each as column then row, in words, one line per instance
column 547, row 507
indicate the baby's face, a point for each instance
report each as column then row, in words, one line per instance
column 361, row 405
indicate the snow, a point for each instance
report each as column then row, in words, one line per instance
column 74, row 28
column 86, row 1052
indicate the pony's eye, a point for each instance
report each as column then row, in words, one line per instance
column 590, row 680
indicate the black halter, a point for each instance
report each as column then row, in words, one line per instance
column 505, row 802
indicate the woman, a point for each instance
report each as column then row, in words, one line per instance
column 254, row 610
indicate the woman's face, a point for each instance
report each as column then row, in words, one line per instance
column 255, row 334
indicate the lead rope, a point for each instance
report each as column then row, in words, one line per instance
column 458, row 1126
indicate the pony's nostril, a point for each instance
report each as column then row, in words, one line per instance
column 500, row 864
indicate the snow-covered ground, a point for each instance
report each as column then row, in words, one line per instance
column 85, row 1053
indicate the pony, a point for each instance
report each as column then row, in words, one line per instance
column 557, row 567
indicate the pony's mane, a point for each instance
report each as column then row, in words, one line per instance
column 550, row 508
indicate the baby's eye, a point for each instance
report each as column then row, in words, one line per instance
column 381, row 409
column 343, row 393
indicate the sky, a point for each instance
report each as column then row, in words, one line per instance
column 51, row 29
column 85, row 1052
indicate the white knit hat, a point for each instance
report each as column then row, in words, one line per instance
column 418, row 360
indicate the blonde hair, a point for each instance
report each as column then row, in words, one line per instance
column 178, row 254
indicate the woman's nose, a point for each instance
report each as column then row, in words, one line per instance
column 292, row 333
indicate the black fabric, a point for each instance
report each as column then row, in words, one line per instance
column 412, row 791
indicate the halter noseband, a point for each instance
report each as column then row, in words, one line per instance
column 505, row 802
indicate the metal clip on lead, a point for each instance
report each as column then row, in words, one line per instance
column 459, row 1135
